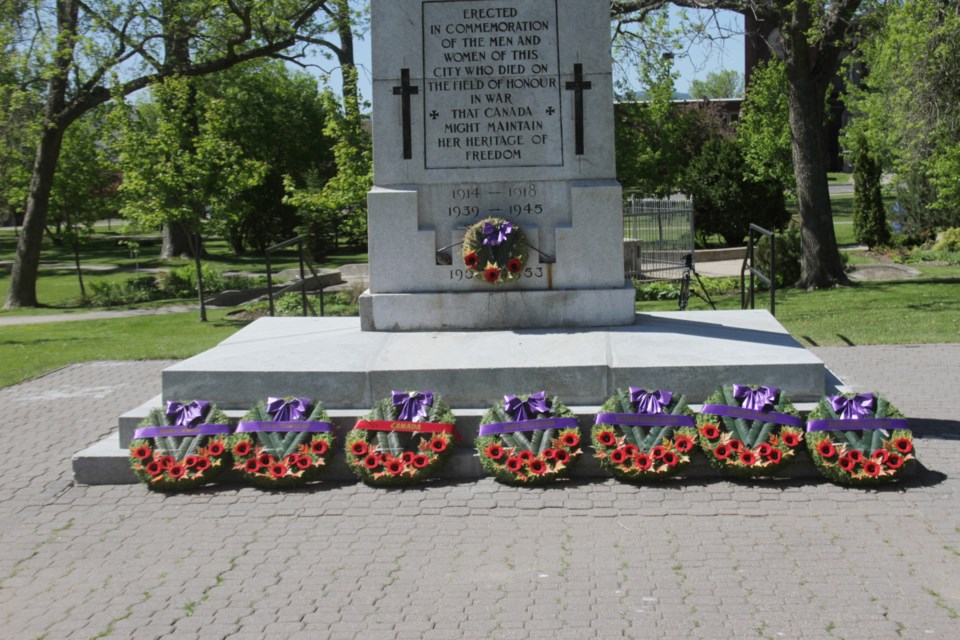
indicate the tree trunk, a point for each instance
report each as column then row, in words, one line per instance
column 176, row 242
column 820, row 264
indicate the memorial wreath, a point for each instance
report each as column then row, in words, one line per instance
column 749, row 431
column 644, row 435
column 528, row 439
column 859, row 439
column 283, row 442
column 405, row 439
column 495, row 249
column 180, row 447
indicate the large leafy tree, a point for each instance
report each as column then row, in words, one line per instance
column 812, row 35
column 726, row 83
column 96, row 50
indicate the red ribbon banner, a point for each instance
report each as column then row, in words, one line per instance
column 407, row 427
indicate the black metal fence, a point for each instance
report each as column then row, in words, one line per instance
column 747, row 294
column 657, row 235
column 304, row 265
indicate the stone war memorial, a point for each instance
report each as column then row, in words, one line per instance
column 496, row 271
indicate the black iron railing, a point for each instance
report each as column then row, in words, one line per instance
column 304, row 265
column 747, row 295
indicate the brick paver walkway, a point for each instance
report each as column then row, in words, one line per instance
column 475, row 560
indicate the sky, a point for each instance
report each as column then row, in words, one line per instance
column 720, row 53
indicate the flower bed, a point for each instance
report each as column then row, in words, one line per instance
column 180, row 447
column 404, row 440
column 644, row 435
column 495, row 249
column 283, row 442
column 528, row 439
column 859, row 440
column 749, row 431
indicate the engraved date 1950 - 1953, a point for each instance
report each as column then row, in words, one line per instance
column 465, row 274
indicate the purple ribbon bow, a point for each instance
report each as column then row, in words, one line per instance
column 282, row 411
column 187, row 415
column 761, row 399
column 413, row 405
column 526, row 409
column 852, row 408
column 496, row 234
column 650, row 402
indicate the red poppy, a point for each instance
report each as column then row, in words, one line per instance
column 242, row 448
column 642, row 461
column 526, row 456
column 291, row 459
column 880, row 456
column 735, row 445
column 494, row 452
column 304, row 462
column 855, row 455
column 607, row 438
column 278, row 470
column 514, row 463
column 903, row 445
column 319, row 447
column 657, row 452
column 550, row 454
column 894, row 461
column 631, row 450
column 371, row 462
column 407, row 457
column 438, row 445
column 359, row 448
column 176, row 471
column 215, row 448
column 710, row 431
column 471, row 260
column 847, row 463
column 203, row 463
column 190, row 462
column 395, row 467
column 420, row 461
column 491, row 274
column 748, row 457
column 775, row 455
column 252, row 466
column 826, row 449
column 671, row 458
column 166, row 462
column 563, row 456
column 537, row 467
column 514, row 265
column 683, row 443
column 570, row 440
column 385, row 458
column 871, row 468
column 790, row 439
column 265, row 459
column 142, row 452
column 617, row 456
column 722, row 452
column 154, row 468
column 763, row 449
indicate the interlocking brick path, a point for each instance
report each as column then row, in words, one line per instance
column 712, row 559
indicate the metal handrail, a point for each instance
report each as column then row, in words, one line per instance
column 299, row 240
column 755, row 274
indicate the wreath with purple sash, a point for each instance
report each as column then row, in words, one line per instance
column 283, row 442
column 749, row 431
column 404, row 440
column 528, row 439
column 180, row 447
column 495, row 249
column 859, row 439
column 644, row 435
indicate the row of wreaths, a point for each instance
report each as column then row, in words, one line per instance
column 639, row 435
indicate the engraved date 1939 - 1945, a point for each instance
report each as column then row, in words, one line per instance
column 465, row 274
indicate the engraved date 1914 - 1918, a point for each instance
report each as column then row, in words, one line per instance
column 460, row 275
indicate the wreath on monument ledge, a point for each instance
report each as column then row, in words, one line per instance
column 495, row 249
column 528, row 439
column 749, row 431
column 180, row 447
column 404, row 440
column 859, row 440
column 283, row 442
column 644, row 435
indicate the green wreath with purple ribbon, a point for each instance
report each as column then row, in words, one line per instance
column 643, row 435
column 528, row 439
column 859, row 440
column 749, row 431
column 283, row 443
column 495, row 249
column 181, row 446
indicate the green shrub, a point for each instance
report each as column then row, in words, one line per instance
column 788, row 256
column 948, row 240
column 142, row 288
column 182, row 281
column 656, row 290
column 869, row 217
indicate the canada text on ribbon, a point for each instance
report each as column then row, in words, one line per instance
column 399, row 425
